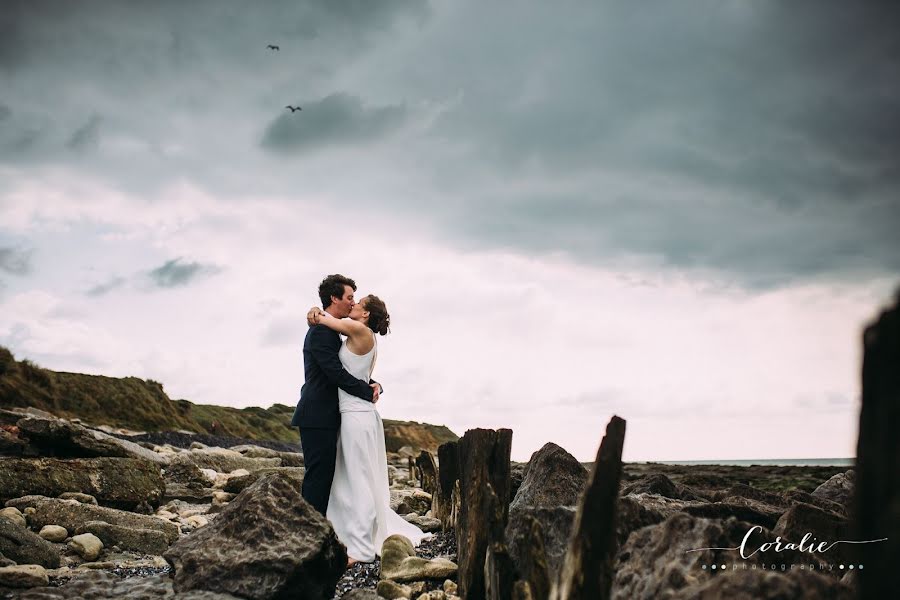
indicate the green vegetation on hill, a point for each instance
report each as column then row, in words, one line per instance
column 142, row 405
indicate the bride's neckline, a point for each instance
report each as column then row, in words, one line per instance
column 374, row 343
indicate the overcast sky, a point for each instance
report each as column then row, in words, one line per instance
column 681, row 213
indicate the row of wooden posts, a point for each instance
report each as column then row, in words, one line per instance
column 471, row 495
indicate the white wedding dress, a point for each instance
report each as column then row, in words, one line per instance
column 359, row 505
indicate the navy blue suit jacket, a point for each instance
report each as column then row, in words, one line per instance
column 318, row 405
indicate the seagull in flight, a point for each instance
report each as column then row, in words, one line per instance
column 293, row 108
column 273, row 47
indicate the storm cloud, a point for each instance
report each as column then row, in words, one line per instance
column 175, row 273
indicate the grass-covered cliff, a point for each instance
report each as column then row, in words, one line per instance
column 142, row 405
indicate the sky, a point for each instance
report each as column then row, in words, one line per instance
column 680, row 213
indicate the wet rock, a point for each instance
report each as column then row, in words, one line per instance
column 87, row 545
column 391, row 590
column 556, row 529
column 71, row 515
column 753, row 584
column 288, row 459
column 552, row 478
column 58, row 437
column 14, row 515
column 656, row 483
column 118, row 482
column 400, row 563
column 11, row 444
column 795, row 496
column 177, row 491
column 25, row 547
column 661, row 560
column 361, row 594
column 821, row 525
column 239, row 483
column 266, row 542
column 146, row 541
column 23, row 576
column 426, row 524
column 748, row 510
column 746, row 491
column 531, row 562
column 222, row 460
column 54, row 533
column 631, row 515
column 101, row 585
column 185, row 473
column 838, row 489
column 78, row 496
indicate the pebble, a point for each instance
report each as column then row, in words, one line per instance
column 54, row 533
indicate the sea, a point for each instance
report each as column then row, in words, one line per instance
column 778, row 462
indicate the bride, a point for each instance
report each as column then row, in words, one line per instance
column 359, row 505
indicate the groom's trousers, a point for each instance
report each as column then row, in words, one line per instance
column 319, row 455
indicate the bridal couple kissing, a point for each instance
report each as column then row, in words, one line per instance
column 341, row 432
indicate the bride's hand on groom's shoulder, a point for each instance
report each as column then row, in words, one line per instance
column 312, row 316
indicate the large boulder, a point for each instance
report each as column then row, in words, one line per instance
column 72, row 514
column 839, row 488
column 117, row 482
column 552, row 478
column 26, row 547
column 58, row 437
column 267, row 543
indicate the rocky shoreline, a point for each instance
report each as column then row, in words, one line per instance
column 134, row 526
column 100, row 513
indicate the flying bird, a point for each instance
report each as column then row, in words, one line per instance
column 293, row 108
column 272, row 47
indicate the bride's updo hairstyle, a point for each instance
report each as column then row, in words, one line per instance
column 379, row 319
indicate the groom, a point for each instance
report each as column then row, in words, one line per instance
column 317, row 414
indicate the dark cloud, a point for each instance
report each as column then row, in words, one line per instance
column 174, row 273
column 756, row 140
column 15, row 261
column 86, row 136
column 104, row 288
column 336, row 119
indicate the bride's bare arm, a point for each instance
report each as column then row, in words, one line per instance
column 348, row 327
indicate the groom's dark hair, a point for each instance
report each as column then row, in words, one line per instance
column 333, row 285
